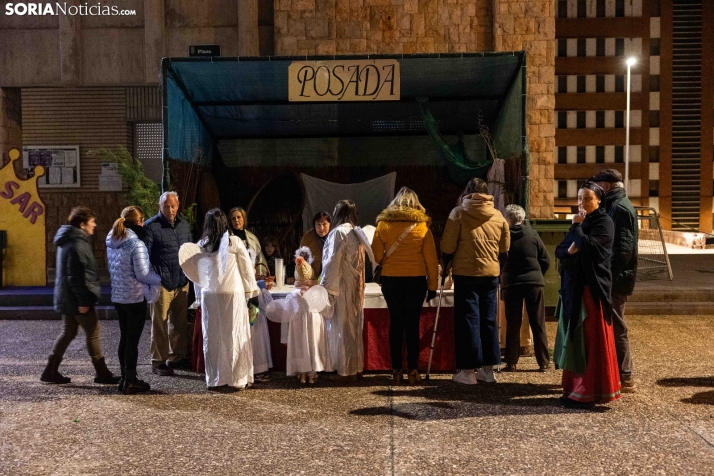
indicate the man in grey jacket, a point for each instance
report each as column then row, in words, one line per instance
column 76, row 292
column 623, row 265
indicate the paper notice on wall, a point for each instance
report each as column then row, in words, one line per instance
column 109, row 179
column 54, row 176
column 58, row 158
column 67, row 174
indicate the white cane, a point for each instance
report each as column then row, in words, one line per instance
column 498, row 322
column 436, row 323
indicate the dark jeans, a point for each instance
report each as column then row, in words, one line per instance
column 87, row 321
column 132, row 318
column 405, row 297
column 475, row 322
column 622, row 342
column 513, row 297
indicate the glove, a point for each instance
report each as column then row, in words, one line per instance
column 430, row 295
column 261, row 284
column 254, row 301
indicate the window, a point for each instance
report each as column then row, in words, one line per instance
column 619, row 84
column 562, row 120
column 600, row 47
column 619, row 154
column 654, row 46
column 600, row 83
column 654, row 118
column 619, row 119
column 562, row 84
column 619, row 8
column 600, row 120
column 581, row 120
column 581, row 47
column 562, row 155
column 562, row 188
column 600, row 154
column 581, row 84
column 147, row 148
column 619, row 47
column 654, row 188
column 654, row 83
column 581, row 154
column 562, row 47
column 654, row 154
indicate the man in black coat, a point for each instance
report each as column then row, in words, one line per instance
column 623, row 265
column 165, row 233
column 522, row 280
column 76, row 292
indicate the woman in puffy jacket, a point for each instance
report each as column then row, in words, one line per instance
column 133, row 283
column 409, row 274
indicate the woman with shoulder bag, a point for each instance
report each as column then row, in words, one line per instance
column 134, row 282
column 404, row 246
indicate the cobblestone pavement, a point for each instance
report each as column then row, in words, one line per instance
column 513, row 427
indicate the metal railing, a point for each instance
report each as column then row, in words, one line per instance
column 652, row 258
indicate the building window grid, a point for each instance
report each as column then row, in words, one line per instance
column 148, row 140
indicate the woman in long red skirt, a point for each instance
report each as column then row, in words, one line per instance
column 585, row 344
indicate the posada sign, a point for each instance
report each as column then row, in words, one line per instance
column 341, row 81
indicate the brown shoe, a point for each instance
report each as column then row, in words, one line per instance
column 397, row 377
column 628, row 385
column 414, row 377
column 510, row 368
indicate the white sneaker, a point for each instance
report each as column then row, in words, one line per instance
column 465, row 376
column 485, row 374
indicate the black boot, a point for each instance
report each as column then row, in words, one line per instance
column 51, row 374
column 103, row 374
column 135, row 386
column 122, row 382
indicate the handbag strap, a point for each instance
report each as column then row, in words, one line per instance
column 398, row 242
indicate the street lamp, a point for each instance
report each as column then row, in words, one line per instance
column 630, row 62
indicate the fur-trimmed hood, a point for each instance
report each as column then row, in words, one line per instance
column 403, row 214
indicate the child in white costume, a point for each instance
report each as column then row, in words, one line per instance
column 305, row 311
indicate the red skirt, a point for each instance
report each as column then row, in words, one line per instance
column 601, row 381
column 198, row 363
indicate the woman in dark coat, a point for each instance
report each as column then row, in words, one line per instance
column 585, row 345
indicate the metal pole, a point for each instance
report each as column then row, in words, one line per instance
column 627, row 132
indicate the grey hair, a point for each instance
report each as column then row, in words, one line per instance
column 617, row 185
column 166, row 195
column 515, row 214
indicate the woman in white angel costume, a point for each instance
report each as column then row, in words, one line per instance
column 221, row 269
column 304, row 312
column 343, row 266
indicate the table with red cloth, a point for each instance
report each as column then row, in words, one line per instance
column 375, row 334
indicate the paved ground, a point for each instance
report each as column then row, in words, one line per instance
column 514, row 427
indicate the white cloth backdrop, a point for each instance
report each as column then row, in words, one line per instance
column 371, row 197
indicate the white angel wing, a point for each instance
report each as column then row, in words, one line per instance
column 189, row 254
column 317, row 298
column 285, row 310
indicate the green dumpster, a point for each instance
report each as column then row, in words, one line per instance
column 552, row 233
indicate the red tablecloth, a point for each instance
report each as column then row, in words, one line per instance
column 376, row 341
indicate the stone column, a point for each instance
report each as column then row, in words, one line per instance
column 154, row 39
column 70, row 57
column 248, row 33
column 530, row 26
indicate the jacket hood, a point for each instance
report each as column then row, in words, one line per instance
column 403, row 214
column 614, row 194
column 478, row 205
column 116, row 243
column 516, row 231
column 67, row 233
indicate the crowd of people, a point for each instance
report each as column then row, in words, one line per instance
column 151, row 263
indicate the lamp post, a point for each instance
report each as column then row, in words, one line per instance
column 630, row 62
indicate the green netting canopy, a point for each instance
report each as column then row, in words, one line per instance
column 207, row 100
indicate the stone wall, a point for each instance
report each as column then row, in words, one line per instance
column 326, row 27
column 530, row 26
